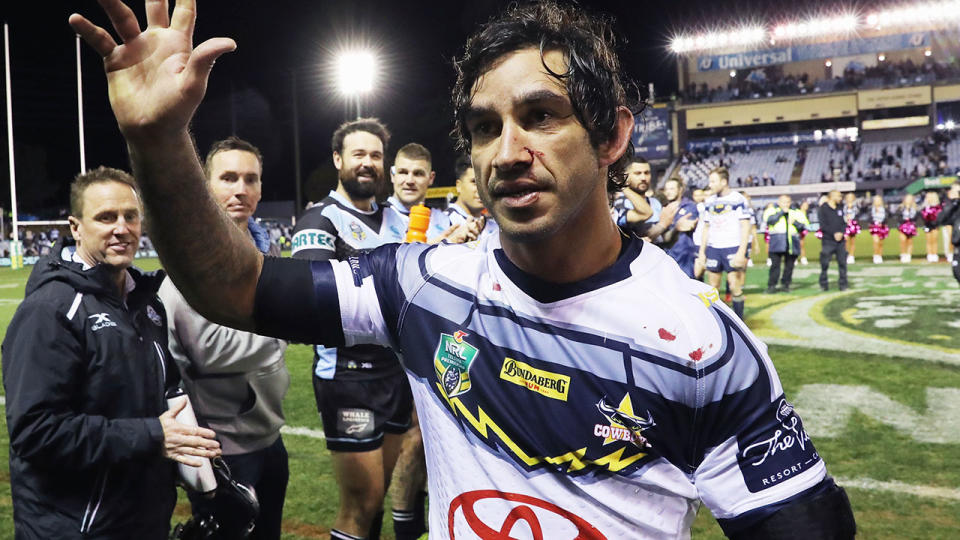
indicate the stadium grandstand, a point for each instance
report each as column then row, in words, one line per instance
column 869, row 97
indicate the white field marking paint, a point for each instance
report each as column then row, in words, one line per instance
column 867, row 484
column 899, row 487
column 826, row 411
column 794, row 318
column 303, row 431
column 10, row 301
column 9, row 285
column 891, row 323
column 930, row 272
column 954, row 324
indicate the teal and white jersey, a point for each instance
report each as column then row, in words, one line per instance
column 458, row 215
column 439, row 222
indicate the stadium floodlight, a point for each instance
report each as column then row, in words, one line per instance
column 747, row 35
column 733, row 73
column 356, row 72
column 949, row 124
column 881, row 57
column 927, row 13
column 840, row 24
column 927, row 52
column 828, row 63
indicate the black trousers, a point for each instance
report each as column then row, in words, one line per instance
column 828, row 249
column 956, row 263
column 788, row 262
column 267, row 471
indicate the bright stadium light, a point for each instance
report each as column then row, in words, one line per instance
column 737, row 37
column 949, row 124
column 356, row 72
column 881, row 57
column 926, row 13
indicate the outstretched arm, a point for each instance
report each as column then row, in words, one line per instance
column 156, row 79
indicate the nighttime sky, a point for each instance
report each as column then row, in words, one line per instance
column 250, row 90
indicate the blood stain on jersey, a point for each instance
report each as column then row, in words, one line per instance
column 666, row 336
column 696, row 355
column 452, row 363
column 496, row 286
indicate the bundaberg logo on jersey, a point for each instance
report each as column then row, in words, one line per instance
column 452, row 363
column 545, row 383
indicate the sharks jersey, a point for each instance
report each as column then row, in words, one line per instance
column 724, row 214
column 336, row 229
column 439, row 221
column 458, row 215
column 603, row 409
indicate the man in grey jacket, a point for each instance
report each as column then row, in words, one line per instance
column 236, row 380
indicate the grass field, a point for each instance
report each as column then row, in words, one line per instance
column 874, row 372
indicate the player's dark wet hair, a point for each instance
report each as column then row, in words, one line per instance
column 593, row 79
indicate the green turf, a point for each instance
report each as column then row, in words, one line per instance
column 868, row 448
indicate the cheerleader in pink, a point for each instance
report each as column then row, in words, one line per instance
column 878, row 227
column 850, row 210
column 908, row 227
column 929, row 212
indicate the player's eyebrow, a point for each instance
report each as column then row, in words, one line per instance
column 533, row 97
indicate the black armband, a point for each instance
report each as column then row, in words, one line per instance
column 826, row 516
column 297, row 300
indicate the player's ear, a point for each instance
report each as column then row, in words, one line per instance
column 433, row 176
column 337, row 160
column 611, row 150
column 74, row 227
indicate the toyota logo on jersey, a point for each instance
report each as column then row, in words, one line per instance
column 492, row 515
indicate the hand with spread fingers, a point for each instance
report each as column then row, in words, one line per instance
column 186, row 444
column 156, row 78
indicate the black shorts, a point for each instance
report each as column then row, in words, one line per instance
column 356, row 414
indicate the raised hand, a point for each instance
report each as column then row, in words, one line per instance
column 156, row 78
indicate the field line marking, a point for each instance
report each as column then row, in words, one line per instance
column 893, row 486
column 303, row 432
column 819, row 317
column 868, row 484
column 801, row 319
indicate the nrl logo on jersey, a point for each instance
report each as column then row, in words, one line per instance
column 356, row 231
column 452, row 363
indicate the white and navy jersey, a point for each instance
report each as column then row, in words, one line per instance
column 724, row 215
column 698, row 230
column 545, row 398
column 458, row 215
column 439, row 222
column 336, row 229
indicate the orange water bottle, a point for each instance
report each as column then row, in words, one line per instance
column 419, row 221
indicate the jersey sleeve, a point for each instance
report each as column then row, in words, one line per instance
column 315, row 237
column 755, row 456
column 331, row 303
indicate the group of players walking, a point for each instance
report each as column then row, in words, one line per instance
column 716, row 228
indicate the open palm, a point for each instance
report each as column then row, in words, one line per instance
column 156, row 78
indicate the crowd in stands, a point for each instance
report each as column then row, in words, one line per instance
column 935, row 154
column 748, row 168
column 770, row 81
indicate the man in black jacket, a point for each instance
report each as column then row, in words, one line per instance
column 85, row 370
column 832, row 225
column 950, row 215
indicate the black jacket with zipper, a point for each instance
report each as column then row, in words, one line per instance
column 85, row 375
